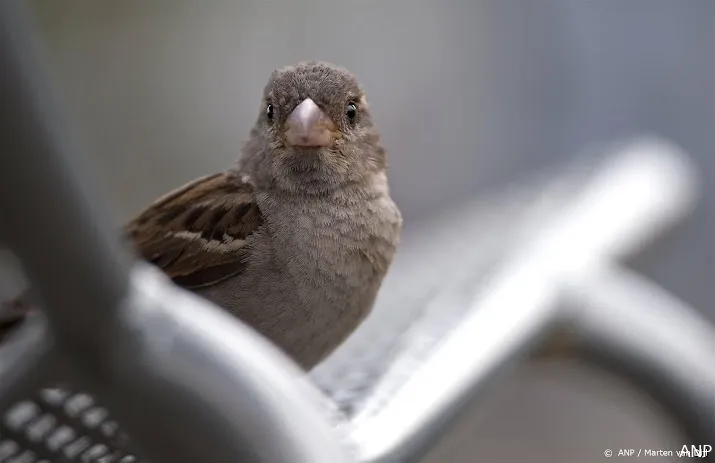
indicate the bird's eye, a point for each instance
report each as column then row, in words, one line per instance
column 351, row 111
column 269, row 112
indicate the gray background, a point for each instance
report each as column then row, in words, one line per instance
column 468, row 95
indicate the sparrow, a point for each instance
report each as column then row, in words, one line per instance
column 296, row 238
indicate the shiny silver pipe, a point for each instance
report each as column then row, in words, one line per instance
column 635, row 329
column 49, row 219
column 644, row 189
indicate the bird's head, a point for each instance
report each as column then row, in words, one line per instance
column 314, row 132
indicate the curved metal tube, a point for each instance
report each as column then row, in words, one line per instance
column 24, row 361
column 49, row 219
column 633, row 328
column 231, row 394
column 620, row 210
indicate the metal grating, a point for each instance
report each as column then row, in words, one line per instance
column 61, row 426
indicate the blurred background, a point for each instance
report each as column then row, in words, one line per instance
column 469, row 95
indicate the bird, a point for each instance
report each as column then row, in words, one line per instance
column 295, row 238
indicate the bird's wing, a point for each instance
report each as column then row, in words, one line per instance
column 196, row 234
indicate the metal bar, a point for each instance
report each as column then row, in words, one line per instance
column 621, row 209
column 229, row 392
column 49, row 218
column 635, row 329
column 25, row 361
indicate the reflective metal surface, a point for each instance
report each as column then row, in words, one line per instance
column 644, row 189
column 626, row 324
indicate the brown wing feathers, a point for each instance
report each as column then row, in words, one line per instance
column 196, row 233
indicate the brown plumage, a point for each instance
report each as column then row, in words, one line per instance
column 181, row 232
column 296, row 240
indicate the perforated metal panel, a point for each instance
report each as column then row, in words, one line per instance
column 61, row 426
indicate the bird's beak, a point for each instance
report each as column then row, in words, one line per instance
column 308, row 126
